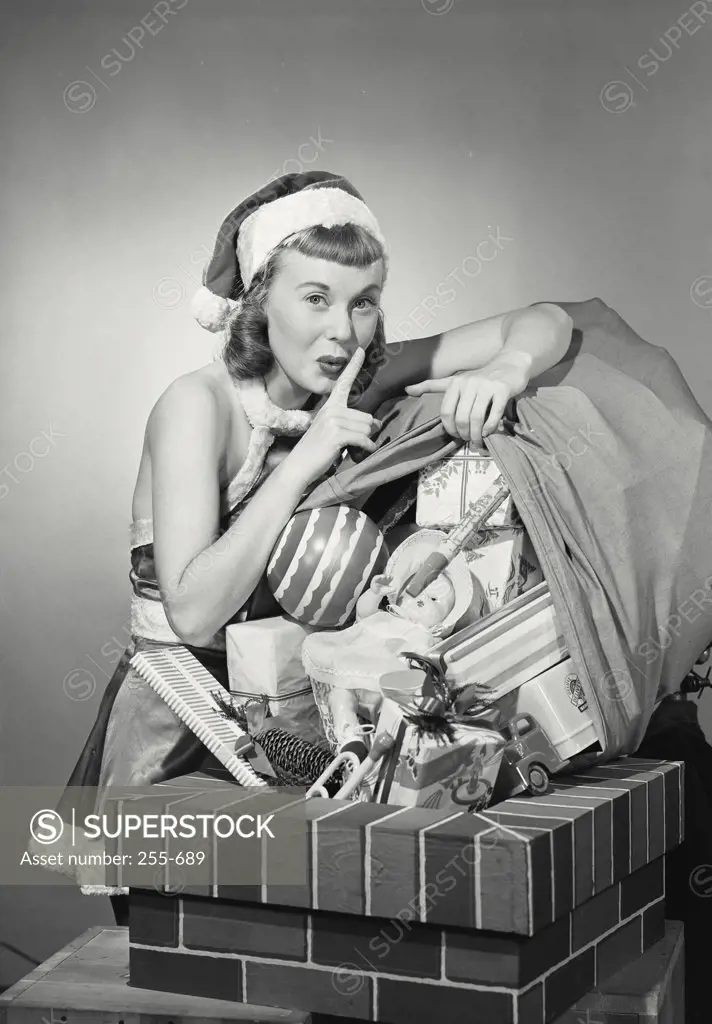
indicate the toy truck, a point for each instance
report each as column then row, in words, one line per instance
column 529, row 758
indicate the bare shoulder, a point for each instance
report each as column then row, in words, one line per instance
column 189, row 408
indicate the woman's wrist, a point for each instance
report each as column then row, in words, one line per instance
column 293, row 474
column 516, row 359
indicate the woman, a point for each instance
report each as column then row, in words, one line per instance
column 295, row 281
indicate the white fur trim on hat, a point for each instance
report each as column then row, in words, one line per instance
column 210, row 310
column 269, row 225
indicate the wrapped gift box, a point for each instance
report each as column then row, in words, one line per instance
column 447, row 490
column 504, row 564
column 501, row 558
column 423, row 770
column 264, row 661
column 412, row 914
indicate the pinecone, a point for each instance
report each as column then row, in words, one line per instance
column 296, row 761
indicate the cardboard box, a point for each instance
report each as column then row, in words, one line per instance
column 427, row 771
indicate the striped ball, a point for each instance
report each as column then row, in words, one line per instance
column 322, row 563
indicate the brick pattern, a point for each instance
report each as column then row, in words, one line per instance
column 393, row 970
column 516, row 868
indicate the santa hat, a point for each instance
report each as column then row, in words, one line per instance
column 256, row 227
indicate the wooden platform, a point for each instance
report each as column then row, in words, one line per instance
column 87, row 983
column 649, row 991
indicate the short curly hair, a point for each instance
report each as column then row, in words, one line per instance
column 247, row 353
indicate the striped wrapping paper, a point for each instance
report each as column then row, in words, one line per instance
column 507, row 649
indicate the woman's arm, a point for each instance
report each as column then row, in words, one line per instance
column 533, row 339
column 205, row 578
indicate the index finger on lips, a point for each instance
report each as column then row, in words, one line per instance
column 342, row 388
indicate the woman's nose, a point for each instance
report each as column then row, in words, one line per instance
column 340, row 327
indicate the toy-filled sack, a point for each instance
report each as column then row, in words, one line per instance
column 608, row 457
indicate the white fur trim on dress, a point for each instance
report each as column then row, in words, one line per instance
column 261, row 411
column 104, row 890
column 210, row 310
column 271, row 223
column 266, row 419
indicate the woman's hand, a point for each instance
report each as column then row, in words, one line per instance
column 474, row 400
column 335, row 427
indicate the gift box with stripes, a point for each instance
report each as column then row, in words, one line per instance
column 509, row 647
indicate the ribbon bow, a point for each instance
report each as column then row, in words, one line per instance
column 438, row 717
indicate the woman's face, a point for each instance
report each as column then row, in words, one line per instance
column 317, row 309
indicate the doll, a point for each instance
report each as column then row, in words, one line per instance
column 346, row 666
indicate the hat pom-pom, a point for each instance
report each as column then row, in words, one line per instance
column 210, row 310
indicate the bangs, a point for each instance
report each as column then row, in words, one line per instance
column 347, row 244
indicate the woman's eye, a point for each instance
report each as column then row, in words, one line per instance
column 319, row 298
column 369, row 302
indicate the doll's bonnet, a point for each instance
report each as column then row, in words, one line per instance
column 410, row 555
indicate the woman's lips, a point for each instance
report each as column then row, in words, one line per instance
column 332, row 367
